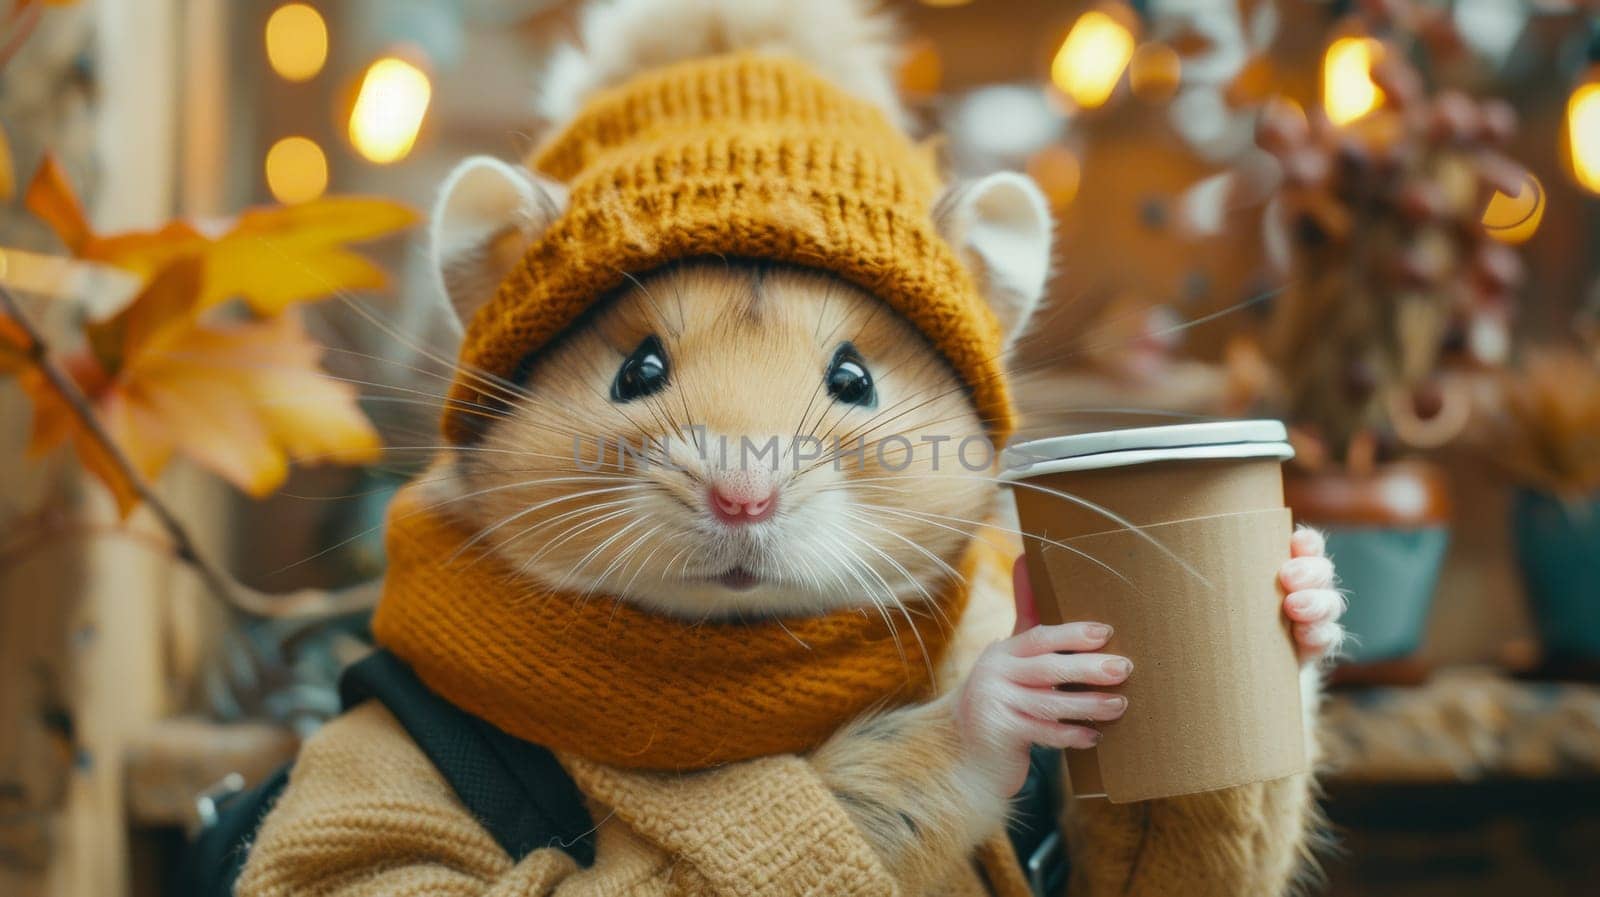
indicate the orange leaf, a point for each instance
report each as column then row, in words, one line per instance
column 272, row 275
column 140, row 436
column 332, row 219
column 241, row 399
column 244, row 399
column 275, row 257
column 272, row 257
column 141, row 441
column 52, row 418
column 146, row 252
column 313, row 416
column 51, row 198
column 13, row 346
column 165, row 307
column 8, row 169
column 211, row 421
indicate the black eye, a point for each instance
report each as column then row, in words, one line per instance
column 848, row 379
column 643, row 373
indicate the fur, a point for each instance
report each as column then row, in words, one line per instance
column 1245, row 840
column 851, row 42
column 901, row 777
column 747, row 349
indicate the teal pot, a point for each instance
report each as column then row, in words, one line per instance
column 1390, row 574
column 1558, row 548
column 1387, row 534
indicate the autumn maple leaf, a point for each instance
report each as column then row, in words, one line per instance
column 8, row 169
column 13, row 347
column 272, row 256
column 241, row 398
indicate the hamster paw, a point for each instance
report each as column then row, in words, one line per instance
column 1010, row 699
column 1312, row 603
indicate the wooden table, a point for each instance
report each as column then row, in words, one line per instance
column 1463, row 725
column 1472, row 783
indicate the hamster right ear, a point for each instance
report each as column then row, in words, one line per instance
column 487, row 213
column 1000, row 224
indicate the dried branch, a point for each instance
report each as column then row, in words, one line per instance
column 37, row 354
column 1391, row 265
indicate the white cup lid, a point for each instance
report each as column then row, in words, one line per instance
column 1142, row 445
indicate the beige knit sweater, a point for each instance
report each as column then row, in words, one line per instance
column 365, row 813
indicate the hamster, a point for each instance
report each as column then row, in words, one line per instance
column 703, row 368
column 705, row 363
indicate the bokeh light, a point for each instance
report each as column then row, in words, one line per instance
column 297, row 170
column 1583, row 134
column 1058, row 172
column 389, row 109
column 921, row 69
column 1091, row 59
column 1348, row 91
column 297, row 42
column 1155, row 72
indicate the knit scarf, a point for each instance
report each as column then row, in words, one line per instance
column 607, row 681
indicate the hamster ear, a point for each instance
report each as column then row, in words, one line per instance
column 487, row 213
column 1001, row 226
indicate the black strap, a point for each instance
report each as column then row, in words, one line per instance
column 516, row 789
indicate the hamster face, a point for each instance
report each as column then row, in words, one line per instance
column 731, row 440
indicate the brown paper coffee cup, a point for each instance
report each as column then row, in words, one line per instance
column 1174, row 536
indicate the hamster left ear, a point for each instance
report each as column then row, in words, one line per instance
column 1001, row 226
column 487, row 213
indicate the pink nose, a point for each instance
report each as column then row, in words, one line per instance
column 743, row 503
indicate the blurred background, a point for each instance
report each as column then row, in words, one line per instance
column 1374, row 220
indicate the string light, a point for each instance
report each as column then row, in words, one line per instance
column 1057, row 172
column 389, row 109
column 297, row 171
column 1348, row 91
column 921, row 70
column 297, row 42
column 1091, row 59
column 1155, row 72
column 1583, row 134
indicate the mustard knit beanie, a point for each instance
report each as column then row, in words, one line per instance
column 737, row 156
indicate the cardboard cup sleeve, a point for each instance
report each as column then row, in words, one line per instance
column 1214, row 700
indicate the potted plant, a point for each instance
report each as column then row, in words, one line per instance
column 1392, row 282
column 1543, row 433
